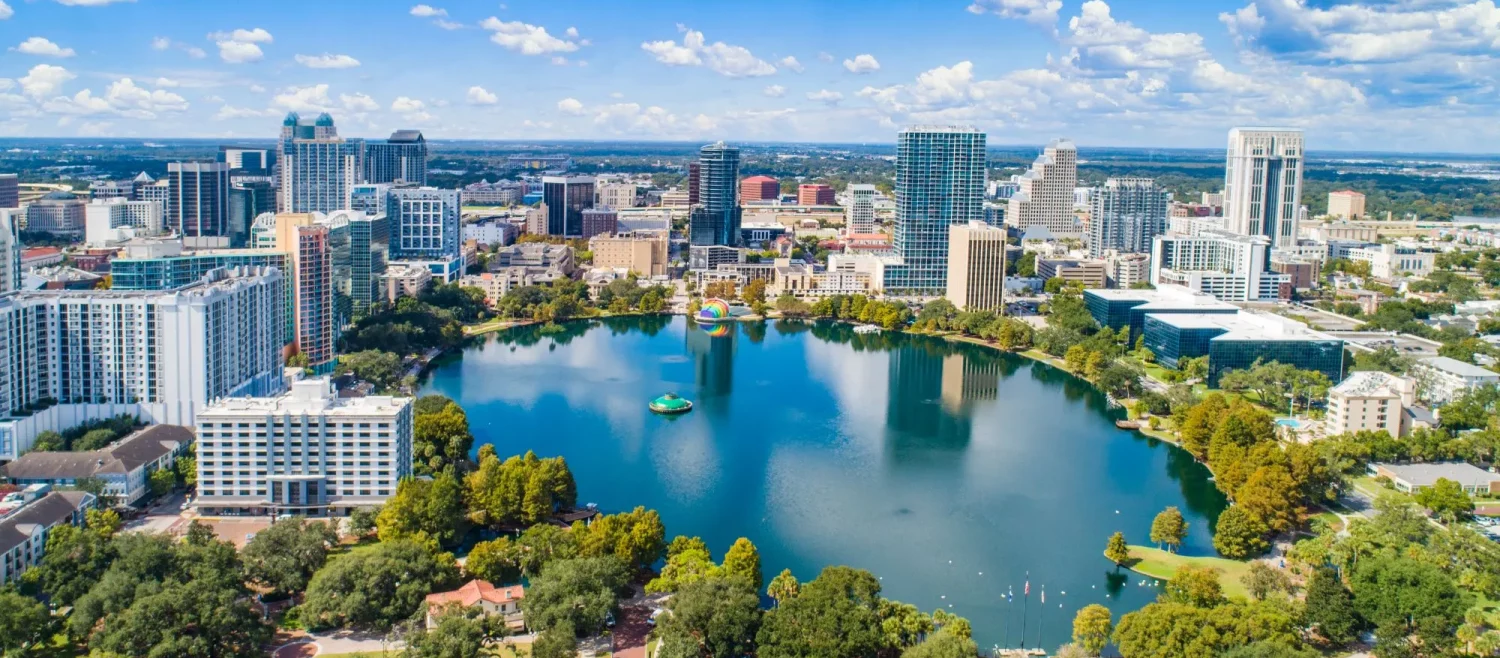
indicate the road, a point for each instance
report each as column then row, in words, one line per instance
column 631, row 630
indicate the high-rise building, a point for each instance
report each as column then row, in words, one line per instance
column 198, row 200
column 976, row 266
column 402, row 158
column 314, row 310
column 103, row 220
column 426, row 222
column 371, row 198
column 1229, row 266
column 318, row 169
column 1045, row 198
column 600, row 221
column 59, row 213
column 248, row 160
column 1126, row 214
column 940, row 172
column 566, row 198
column 695, row 175
column 860, row 215
column 10, row 191
column 10, row 250
column 715, row 215
column 370, row 244
column 248, row 200
column 308, row 452
column 617, row 195
column 760, row 188
column 160, row 355
column 1263, row 183
column 814, row 194
column 1346, row 204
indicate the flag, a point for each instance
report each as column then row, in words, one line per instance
column 1044, row 594
column 1027, row 591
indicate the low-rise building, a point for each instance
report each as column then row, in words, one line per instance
column 976, row 266
column 1232, row 267
column 27, row 517
column 1127, row 270
column 405, row 280
column 1411, row 478
column 1091, row 273
column 642, row 252
column 1118, row 309
column 708, row 257
column 534, row 254
column 1388, row 261
column 1239, row 341
column 504, row 602
column 308, row 452
column 124, row 466
column 1346, row 205
column 1441, row 379
column 804, row 282
column 1373, row 401
column 492, row 232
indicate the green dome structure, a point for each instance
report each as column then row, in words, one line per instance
column 670, row 404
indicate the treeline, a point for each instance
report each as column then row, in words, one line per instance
column 565, row 299
column 412, row 325
column 91, row 435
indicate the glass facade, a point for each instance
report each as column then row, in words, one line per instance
column 566, row 198
column 369, row 239
column 1325, row 356
column 940, row 177
column 198, row 199
column 1172, row 344
column 401, row 158
column 426, row 223
column 179, row 271
column 715, row 217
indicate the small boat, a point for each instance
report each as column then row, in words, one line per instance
column 670, row 404
column 867, row 329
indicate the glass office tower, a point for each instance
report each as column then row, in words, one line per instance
column 715, row 220
column 939, row 182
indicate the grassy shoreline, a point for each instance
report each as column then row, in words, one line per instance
column 1160, row 564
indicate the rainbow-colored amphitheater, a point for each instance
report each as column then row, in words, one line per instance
column 714, row 310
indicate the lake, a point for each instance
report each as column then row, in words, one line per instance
column 949, row 470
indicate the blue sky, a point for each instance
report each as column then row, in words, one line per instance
column 1391, row 75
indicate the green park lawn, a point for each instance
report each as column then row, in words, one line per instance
column 1160, row 564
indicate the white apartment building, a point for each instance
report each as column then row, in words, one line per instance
column 1228, row 266
column 1440, row 379
column 617, row 195
column 976, row 266
column 10, row 249
column 1263, row 183
column 69, row 356
column 1126, row 270
column 308, row 452
column 108, row 222
column 1346, row 204
column 1388, row 261
column 1046, row 195
column 1373, row 401
column 860, row 213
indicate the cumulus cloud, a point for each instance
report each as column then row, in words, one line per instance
column 411, row 109
column 44, row 80
column 570, row 106
column 791, row 64
column 42, row 47
column 825, row 96
column 166, row 83
column 428, row 11
column 719, row 57
column 123, row 97
column 862, row 64
column 525, row 38
column 313, row 98
column 358, row 102
column 327, row 61
column 1040, row 12
column 161, row 43
column 481, row 96
column 5, row 11
column 774, row 91
column 241, row 46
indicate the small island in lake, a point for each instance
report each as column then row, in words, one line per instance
column 670, row 404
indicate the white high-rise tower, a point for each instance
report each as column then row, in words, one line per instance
column 1046, row 195
column 1263, row 183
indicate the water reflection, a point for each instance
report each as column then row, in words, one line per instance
column 712, row 348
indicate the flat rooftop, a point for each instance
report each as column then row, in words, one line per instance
column 1424, row 475
column 1244, row 326
column 1369, row 341
column 1457, row 367
column 1164, row 297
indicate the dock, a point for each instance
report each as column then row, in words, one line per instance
column 1128, row 424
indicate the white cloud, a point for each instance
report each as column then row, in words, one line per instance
column 161, row 43
column 411, row 109
column 571, row 32
column 570, row 106
column 303, row 99
column 166, row 83
column 774, row 91
column 358, row 102
column 122, row 97
column 862, row 64
column 195, row 52
column 825, row 96
column 228, row 112
column 240, row 46
column 43, row 47
column 257, row 89
column 447, row 25
column 481, row 96
column 790, row 63
column 825, row 57
column 44, row 80
column 427, row 11
column 719, row 57
column 5, row 11
column 95, row 128
column 1040, row 12
column 525, row 38
column 327, row 61
column 257, row 35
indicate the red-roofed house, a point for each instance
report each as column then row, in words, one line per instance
column 505, row 601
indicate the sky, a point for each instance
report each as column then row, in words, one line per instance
column 1378, row 75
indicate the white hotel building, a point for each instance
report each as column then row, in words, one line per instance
column 308, row 452
column 1226, row 265
column 67, row 356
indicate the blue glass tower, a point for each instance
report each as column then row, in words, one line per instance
column 939, row 182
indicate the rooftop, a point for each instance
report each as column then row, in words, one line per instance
column 309, row 396
column 120, row 457
column 49, row 510
column 1425, row 475
column 1372, row 384
column 475, row 591
column 1245, row 325
column 1457, row 367
column 1163, row 297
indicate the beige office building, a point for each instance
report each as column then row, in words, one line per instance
column 1346, row 204
column 976, row 266
column 642, row 252
column 1373, row 401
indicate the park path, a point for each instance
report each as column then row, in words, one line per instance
column 631, row 631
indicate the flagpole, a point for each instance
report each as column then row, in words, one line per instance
column 1025, row 599
column 1008, row 600
column 1041, row 613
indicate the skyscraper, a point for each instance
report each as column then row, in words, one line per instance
column 198, row 201
column 939, row 182
column 247, row 200
column 10, row 249
column 976, row 266
column 370, row 243
column 10, row 191
column 860, row 215
column 426, row 222
column 311, row 265
column 566, row 198
column 694, row 169
column 318, row 168
column 403, row 157
column 1045, row 197
column 1125, row 215
column 715, row 218
column 1263, row 183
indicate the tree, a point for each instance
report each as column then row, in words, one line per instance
column 542, row 544
column 943, row 644
column 193, row 620
column 162, row 481
column 1169, row 528
column 1239, row 535
column 637, row 537
column 1330, row 608
column 711, row 618
column 1174, row 630
column 106, row 522
column 95, row 439
column 783, row 587
column 1117, row 550
column 743, row 561
column 285, row 556
column 560, row 641
column 24, row 622
column 380, row 368
column 493, row 561
column 1263, row 580
column 1270, row 650
column 689, row 564
column 49, row 441
column 1091, row 628
column 575, row 594
column 755, row 292
column 439, row 438
column 458, row 632
column 378, row 587
column 1120, row 378
column 1390, row 590
column 74, row 561
column 1195, row 586
column 1446, row 499
column 424, row 510
column 834, row 616
column 362, row 521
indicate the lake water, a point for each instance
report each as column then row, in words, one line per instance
column 948, row 470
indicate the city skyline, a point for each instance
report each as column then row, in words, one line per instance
column 1355, row 76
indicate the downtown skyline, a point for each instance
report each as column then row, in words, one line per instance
column 1376, row 76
